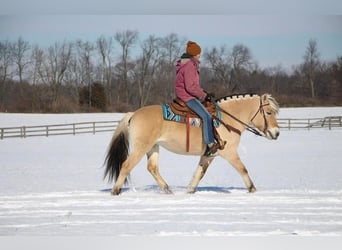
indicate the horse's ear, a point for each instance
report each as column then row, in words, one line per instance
column 264, row 97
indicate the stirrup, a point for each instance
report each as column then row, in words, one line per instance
column 211, row 150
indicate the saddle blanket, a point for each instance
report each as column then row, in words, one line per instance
column 169, row 115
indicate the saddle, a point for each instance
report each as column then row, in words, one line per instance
column 179, row 107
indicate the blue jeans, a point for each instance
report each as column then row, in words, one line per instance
column 207, row 128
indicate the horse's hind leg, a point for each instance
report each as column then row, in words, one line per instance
column 152, row 166
column 200, row 171
column 127, row 167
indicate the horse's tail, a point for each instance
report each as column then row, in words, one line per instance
column 118, row 149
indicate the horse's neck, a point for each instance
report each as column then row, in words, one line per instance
column 243, row 109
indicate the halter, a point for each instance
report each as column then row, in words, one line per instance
column 248, row 127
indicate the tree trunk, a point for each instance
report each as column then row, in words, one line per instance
column 312, row 88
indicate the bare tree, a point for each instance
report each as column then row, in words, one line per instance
column 6, row 60
column 241, row 60
column 74, row 76
column 37, row 59
column 335, row 87
column 105, row 48
column 57, row 62
column 311, row 64
column 146, row 68
column 272, row 74
column 170, row 49
column 20, row 49
column 126, row 39
column 85, row 50
column 171, row 46
column 218, row 60
column 241, row 57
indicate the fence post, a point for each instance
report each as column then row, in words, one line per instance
column 73, row 129
column 47, row 131
column 309, row 124
column 2, row 133
column 289, row 124
column 330, row 123
column 93, row 128
column 23, row 132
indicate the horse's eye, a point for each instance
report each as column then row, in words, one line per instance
column 269, row 113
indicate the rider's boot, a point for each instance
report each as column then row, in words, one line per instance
column 213, row 147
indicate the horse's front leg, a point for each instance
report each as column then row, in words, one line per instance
column 233, row 158
column 152, row 166
column 199, row 173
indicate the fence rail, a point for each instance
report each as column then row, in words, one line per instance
column 59, row 129
column 330, row 122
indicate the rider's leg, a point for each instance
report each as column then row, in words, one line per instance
column 207, row 128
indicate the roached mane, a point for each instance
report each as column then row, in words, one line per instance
column 274, row 104
column 235, row 96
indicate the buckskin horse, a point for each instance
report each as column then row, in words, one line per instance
column 143, row 131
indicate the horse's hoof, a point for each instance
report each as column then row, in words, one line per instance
column 252, row 189
column 116, row 191
column 167, row 190
column 191, row 190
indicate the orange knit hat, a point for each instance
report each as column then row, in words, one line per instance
column 193, row 49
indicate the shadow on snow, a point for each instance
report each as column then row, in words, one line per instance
column 156, row 189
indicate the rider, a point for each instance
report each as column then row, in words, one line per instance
column 188, row 89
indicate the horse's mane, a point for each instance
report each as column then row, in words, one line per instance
column 235, row 97
column 274, row 104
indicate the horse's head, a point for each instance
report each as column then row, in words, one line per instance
column 265, row 118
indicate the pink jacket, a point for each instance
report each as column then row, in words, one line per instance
column 187, row 86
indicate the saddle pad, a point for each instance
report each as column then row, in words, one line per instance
column 169, row 115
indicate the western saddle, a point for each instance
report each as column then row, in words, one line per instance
column 179, row 107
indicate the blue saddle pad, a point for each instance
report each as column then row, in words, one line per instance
column 169, row 115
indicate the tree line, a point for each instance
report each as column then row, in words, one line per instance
column 122, row 73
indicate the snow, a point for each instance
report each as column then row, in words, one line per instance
column 53, row 186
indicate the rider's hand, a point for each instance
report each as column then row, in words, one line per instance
column 209, row 97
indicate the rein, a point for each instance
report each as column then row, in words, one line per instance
column 248, row 127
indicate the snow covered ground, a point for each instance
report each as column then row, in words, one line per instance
column 53, row 186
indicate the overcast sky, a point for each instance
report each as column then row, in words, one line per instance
column 275, row 33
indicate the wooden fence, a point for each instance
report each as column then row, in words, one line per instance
column 110, row 126
column 59, row 129
column 329, row 122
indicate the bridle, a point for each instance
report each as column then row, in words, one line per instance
column 262, row 111
column 248, row 127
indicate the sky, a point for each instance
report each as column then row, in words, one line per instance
column 277, row 34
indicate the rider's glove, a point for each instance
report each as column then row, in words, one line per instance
column 209, row 97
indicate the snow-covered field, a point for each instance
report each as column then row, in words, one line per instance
column 54, row 186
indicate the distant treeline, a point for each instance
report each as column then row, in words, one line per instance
column 122, row 73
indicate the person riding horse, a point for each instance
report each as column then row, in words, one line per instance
column 188, row 89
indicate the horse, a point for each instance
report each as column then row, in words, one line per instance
column 145, row 130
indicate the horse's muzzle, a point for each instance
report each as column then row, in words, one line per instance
column 273, row 133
